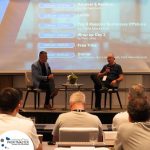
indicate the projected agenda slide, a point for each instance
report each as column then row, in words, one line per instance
column 77, row 34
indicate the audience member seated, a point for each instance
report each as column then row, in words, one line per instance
column 77, row 117
column 10, row 103
column 135, row 135
column 137, row 90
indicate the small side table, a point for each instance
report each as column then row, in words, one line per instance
column 70, row 87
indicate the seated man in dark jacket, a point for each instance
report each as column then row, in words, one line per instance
column 43, row 78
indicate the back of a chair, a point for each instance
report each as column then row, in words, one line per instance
column 73, row 134
column 116, row 86
column 28, row 79
column 109, row 135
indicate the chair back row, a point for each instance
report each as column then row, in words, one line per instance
column 71, row 134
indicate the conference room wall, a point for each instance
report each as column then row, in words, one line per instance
column 18, row 81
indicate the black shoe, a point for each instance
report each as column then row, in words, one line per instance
column 97, row 109
column 49, row 107
column 51, row 143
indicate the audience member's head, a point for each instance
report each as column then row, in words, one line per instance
column 9, row 100
column 77, row 99
column 137, row 90
column 139, row 109
column 137, row 95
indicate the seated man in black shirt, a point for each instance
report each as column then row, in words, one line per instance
column 110, row 75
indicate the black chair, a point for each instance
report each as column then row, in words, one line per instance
column 30, row 89
column 110, row 92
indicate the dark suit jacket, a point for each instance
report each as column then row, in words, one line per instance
column 37, row 73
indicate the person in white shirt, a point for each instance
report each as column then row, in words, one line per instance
column 135, row 135
column 137, row 90
column 10, row 103
column 77, row 117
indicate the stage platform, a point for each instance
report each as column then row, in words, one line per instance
column 45, row 119
column 49, row 116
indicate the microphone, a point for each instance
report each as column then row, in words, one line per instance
column 108, row 68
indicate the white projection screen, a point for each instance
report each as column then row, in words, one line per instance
column 77, row 34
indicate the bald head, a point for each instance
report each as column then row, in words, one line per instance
column 111, row 58
column 111, row 55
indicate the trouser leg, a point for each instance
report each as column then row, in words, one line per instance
column 97, row 99
column 47, row 98
column 97, row 86
column 49, row 87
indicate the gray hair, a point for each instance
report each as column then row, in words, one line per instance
column 77, row 97
column 137, row 90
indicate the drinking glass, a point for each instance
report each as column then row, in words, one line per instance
column 93, row 138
